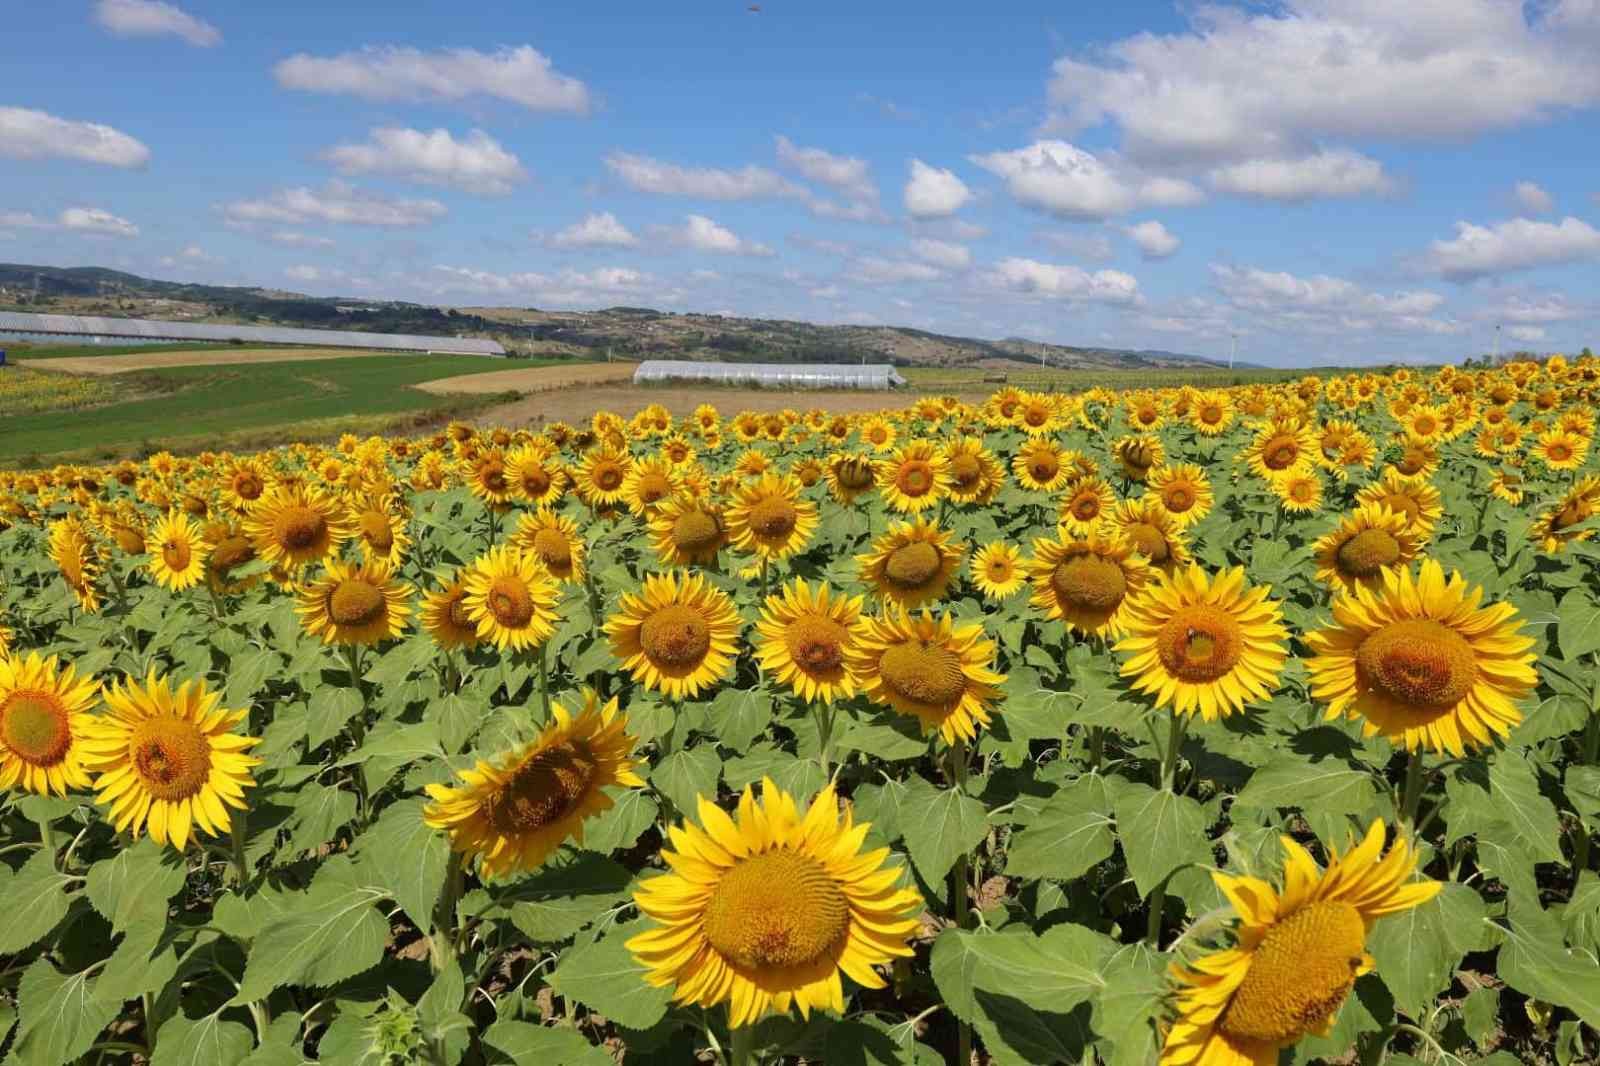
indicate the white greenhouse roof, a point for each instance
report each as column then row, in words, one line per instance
column 146, row 329
column 774, row 375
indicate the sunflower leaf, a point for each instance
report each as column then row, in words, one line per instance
column 208, row 1041
column 135, row 884
column 416, row 881
column 1578, row 624
column 34, row 901
column 1068, row 835
column 59, row 1015
column 1325, row 787
column 686, row 775
column 604, row 976
column 948, row 824
column 507, row 1042
column 571, row 890
column 1160, row 832
column 329, row 933
column 1418, row 949
column 1514, row 787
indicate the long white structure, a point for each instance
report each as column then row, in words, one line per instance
column 97, row 330
column 771, row 375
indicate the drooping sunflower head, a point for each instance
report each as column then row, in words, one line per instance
column 975, row 474
column 1138, row 455
column 1420, row 661
column 178, row 552
column 912, row 563
column 168, row 760
column 764, row 910
column 1563, row 523
column 915, row 477
column 849, row 475
column 511, row 598
column 353, row 604
column 1368, row 541
column 229, row 552
column 1040, row 466
column 997, row 569
column 1151, row 532
column 1184, row 490
column 769, row 518
column 1296, row 954
column 930, row 668
column 379, row 528
column 293, row 526
column 1204, row 644
column 805, row 634
column 1417, row 458
column 1086, row 581
column 555, row 540
column 44, row 706
column 73, row 552
column 688, row 530
column 676, row 636
column 512, row 812
column 603, row 476
column 445, row 617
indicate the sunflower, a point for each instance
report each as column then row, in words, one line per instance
column 1279, row 446
column 650, row 481
column 1367, row 541
column 555, row 540
column 293, row 526
column 1414, row 497
column 6, row 637
column 1555, row 528
column 1211, row 412
column 997, row 569
column 379, row 531
column 848, row 476
column 1422, row 663
column 770, row 519
column 228, row 554
column 1297, row 953
column 878, row 432
column 911, row 564
column 766, row 909
column 168, row 759
column 1036, row 415
column 353, row 604
column 1040, row 466
column 73, row 553
column 535, row 475
column 1085, row 504
column 1203, row 643
column 1561, row 449
column 1086, row 582
column 1184, row 490
column 445, row 617
column 244, row 485
column 975, row 474
column 511, row 598
column 1418, row 458
column 915, row 477
column 488, row 479
column 602, row 476
column 804, row 636
column 678, row 637
column 514, row 811
column 688, row 531
column 1424, row 422
column 1150, row 532
column 1138, row 456
column 926, row 667
column 44, row 710
column 178, row 552
column 1508, row 486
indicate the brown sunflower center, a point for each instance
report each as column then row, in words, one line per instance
column 299, row 528
column 356, row 601
column 1400, row 503
column 376, row 530
column 535, row 480
column 916, row 478
column 552, row 546
column 247, row 486
column 816, row 643
column 1089, row 582
column 675, row 635
column 1412, row 461
column 696, row 530
column 1281, row 453
column 1210, row 414
column 1178, row 498
column 1299, row 975
column 608, row 476
column 229, row 553
column 171, row 756
column 855, row 474
column 926, row 674
column 913, row 565
column 965, row 470
column 1425, row 425
column 509, row 601
column 1200, row 643
column 1368, row 552
column 1086, row 507
column 1043, row 467
column 175, row 553
column 773, row 516
column 542, row 789
column 1418, row 662
column 1559, row 452
column 776, row 910
column 1149, row 541
column 653, row 486
column 492, row 475
column 34, row 726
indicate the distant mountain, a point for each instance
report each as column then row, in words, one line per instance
column 626, row 332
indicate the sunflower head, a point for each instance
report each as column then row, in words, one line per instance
column 178, row 552
column 805, row 635
column 44, row 707
column 915, row 477
column 1368, row 541
column 911, row 564
column 446, row 619
column 930, row 668
column 849, row 475
column 1086, row 582
column 511, row 598
column 676, row 636
column 997, row 569
column 292, row 526
column 554, row 539
column 688, row 530
column 1184, row 490
column 769, row 518
column 353, row 604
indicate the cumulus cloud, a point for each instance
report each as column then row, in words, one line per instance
column 97, row 221
column 878, row 270
column 1329, row 304
column 477, row 163
column 1064, row 282
column 1095, row 247
column 598, row 230
column 1332, row 174
column 932, row 192
column 705, row 235
column 522, row 76
column 589, row 288
column 190, row 255
column 1067, row 181
column 1155, row 241
column 337, row 202
column 643, row 173
column 1518, row 244
column 946, row 254
column 152, row 18
column 848, row 175
column 291, row 239
column 1527, row 334
column 1533, row 198
column 1535, row 308
column 30, row 134
column 22, row 220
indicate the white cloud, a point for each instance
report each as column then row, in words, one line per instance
column 591, row 288
column 1533, row 198
column 22, row 220
column 520, row 75
column 337, row 202
column 1526, row 333
column 946, row 254
column 877, row 270
column 934, row 193
column 705, row 235
column 599, row 230
column 1095, row 247
column 1329, row 304
column 1063, row 282
column 190, row 255
column 1336, row 173
column 1065, row 180
column 1535, row 309
column 1246, row 83
column 1518, row 244
column 1155, row 241
column 477, row 163
column 29, row 134
column 304, row 272
column 821, row 245
column 849, row 175
column 645, row 174
column 96, row 220
column 291, row 239
column 151, row 18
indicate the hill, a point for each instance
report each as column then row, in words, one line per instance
column 625, row 332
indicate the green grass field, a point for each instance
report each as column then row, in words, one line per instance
column 30, row 350
column 207, row 406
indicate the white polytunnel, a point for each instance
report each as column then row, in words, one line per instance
column 771, row 375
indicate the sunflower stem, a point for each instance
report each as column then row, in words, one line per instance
column 1097, row 747
column 744, row 1046
column 47, row 837
column 1169, row 756
column 824, row 713
column 241, row 870
column 960, row 901
column 442, row 946
column 1411, row 794
column 544, row 681
column 1591, row 740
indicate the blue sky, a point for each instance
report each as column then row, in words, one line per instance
column 1330, row 180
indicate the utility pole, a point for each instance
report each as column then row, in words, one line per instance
column 1233, row 348
column 1497, row 344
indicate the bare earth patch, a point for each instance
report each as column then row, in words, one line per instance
column 532, row 379
column 121, row 364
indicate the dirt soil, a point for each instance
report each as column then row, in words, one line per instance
column 121, row 364
column 533, row 379
column 577, row 405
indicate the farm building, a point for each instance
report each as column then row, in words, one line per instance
column 770, row 375
column 87, row 329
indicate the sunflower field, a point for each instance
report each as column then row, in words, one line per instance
column 1229, row 727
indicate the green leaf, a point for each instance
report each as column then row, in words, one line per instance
column 319, row 811
column 1578, row 624
column 408, row 857
column 144, row 961
column 561, row 897
column 399, row 743
column 1535, row 962
column 739, row 716
column 247, row 673
column 329, row 933
column 684, row 776
column 135, row 884
column 605, row 977
column 1583, row 792
column 207, row 1041
column 1068, row 836
column 1515, row 790
column 35, row 900
column 281, row 1046
column 511, row 1042
column 1160, row 832
column 59, row 1016
column 398, row 663
column 947, row 824
column 890, row 738
column 1419, row 949
column 872, row 1042
column 328, row 712
column 1127, row 1009
column 457, row 718
column 1326, row 787
column 633, row 812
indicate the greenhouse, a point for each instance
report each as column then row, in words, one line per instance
column 770, row 375
column 90, row 329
